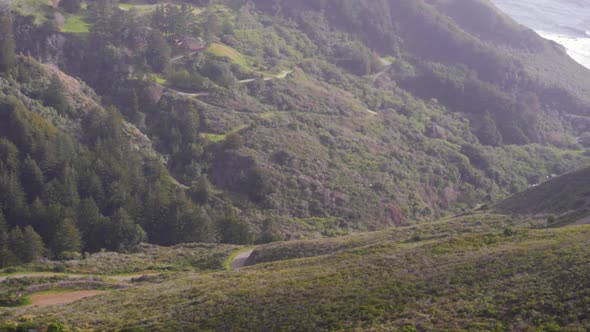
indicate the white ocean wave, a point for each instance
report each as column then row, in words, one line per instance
column 577, row 47
column 566, row 22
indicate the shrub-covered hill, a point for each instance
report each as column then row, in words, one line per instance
column 564, row 198
column 253, row 121
column 455, row 226
column 515, row 279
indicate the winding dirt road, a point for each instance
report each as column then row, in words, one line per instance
column 280, row 76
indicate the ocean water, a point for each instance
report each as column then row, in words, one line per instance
column 564, row 21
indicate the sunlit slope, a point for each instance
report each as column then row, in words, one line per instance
column 567, row 195
column 513, row 279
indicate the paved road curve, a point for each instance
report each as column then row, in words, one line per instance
column 240, row 260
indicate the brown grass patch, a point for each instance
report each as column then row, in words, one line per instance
column 51, row 298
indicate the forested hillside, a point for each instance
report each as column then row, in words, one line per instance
column 254, row 121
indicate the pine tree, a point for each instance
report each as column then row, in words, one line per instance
column 231, row 230
column 33, row 245
column 55, row 95
column 39, row 219
column 124, row 233
column 212, row 28
column 71, row 6
column 12, row 198
column 3, row 224
column 16, row 243
column 196, row 226
column 3, row 249
column 67, row 239
column 88, row 215
column 269, row 232
column 32, row 178
column 94, row 227
column 7, row 257
column 488, row 132
column 201, row 190
column 158, row 52
column 9, row 162
column 7, row 44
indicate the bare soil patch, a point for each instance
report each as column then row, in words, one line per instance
column 47, row 299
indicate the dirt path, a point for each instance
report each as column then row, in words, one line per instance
column 47, row 299
column 240, row 260
column 180, row 57
column 184, row 94
column 188, row 94
column 386, row 65
column 280, row 76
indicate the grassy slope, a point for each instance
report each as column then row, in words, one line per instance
column 564, row 194
column 183, row 257
column 226, row 51
column 75, row 24
column 527, row 280
column 476, row 223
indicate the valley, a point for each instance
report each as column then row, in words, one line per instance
column 290, row 165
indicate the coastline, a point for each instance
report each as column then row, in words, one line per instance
column 578, row 48
column 566, row 22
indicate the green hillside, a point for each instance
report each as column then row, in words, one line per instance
column 367, row 126
column 357, row 147
column 566, row 198
column 491, row 281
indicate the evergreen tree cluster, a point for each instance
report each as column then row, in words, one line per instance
column 60, row 196
column 7, row 44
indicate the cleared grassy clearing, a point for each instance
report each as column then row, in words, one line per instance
column 226, row 51
column 214, row 138
column 75, row 24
